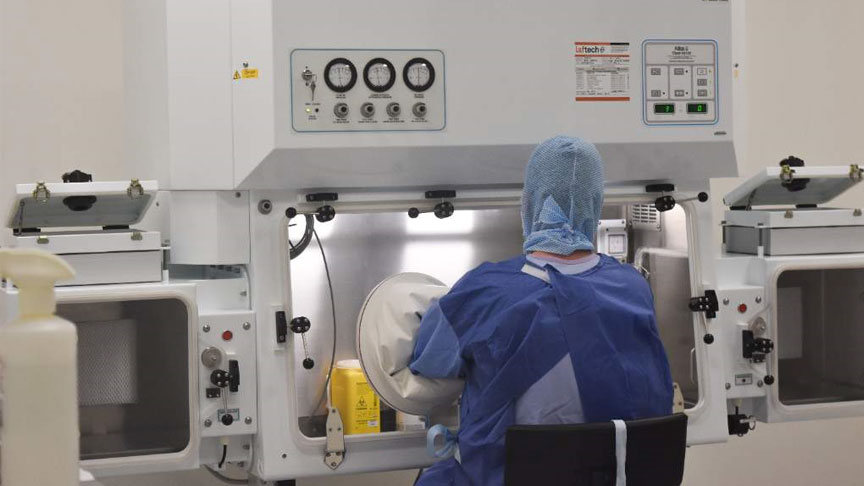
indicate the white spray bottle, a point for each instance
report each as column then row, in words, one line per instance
column 39, row 377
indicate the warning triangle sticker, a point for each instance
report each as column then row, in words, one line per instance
column 236, row 74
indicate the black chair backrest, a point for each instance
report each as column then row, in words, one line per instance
column 584, row 454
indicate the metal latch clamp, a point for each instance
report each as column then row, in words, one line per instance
column 334, row 453
column 707, row 304
column 755, row 348
column 41, row 193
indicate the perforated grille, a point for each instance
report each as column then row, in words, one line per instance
column 645, row 216
column 107, row 362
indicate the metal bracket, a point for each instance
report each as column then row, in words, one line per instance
column 334, row 453
column 677, row 399
column 41, row 193
column 135, row 186
column 440, row 194
column 322, row 197
column 740, row 424
column 707, row 304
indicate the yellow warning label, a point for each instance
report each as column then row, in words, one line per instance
column 236, row 75
column 249, row 73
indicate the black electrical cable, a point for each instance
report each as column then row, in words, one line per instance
column 333, row 310
column 297, row 249
column 226, row 479
column 417, row 479
column 224, row 455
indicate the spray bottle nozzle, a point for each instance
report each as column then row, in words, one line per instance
column 34, row 272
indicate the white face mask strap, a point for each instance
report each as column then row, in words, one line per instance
column 536, row 272
column 620, row 452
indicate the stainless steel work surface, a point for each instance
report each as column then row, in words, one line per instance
column 364, row 249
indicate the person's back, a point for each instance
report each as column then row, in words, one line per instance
column 559, row 335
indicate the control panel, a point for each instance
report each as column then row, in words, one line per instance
column 680, row 82
column 367, row 90
column 227, row 377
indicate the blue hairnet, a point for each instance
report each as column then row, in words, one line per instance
column 563, row 196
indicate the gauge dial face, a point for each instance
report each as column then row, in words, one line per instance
column 419, row 75
column 379, row 75
column 340, row 75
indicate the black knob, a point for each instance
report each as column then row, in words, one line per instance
column 664, row 203
column 308, row 363
column 291, row 213
column 444, row 210
column 708, row 339
column 77, row 176
column 300, row 324
column 413, row 213
column 792, row 161
column 703, row 197
column 325, row 213
column 769, row 380
column 227, row 419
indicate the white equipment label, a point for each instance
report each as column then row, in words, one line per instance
column 602, row 71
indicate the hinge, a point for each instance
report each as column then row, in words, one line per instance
column 334, row 453
column 707, row 304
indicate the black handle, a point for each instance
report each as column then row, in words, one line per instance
column 233, row 376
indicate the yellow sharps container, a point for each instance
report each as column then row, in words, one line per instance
column 357, row 402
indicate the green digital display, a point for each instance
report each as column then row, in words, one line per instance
column 664, row 109
column 697, row 108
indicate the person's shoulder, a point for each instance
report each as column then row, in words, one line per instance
column 622, row 271
column 491, row 274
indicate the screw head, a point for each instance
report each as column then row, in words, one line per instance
column 759, row 299
column 248, row 420
column 728, row 386
column 726, row 301
column 206, row 328
column 208, row 423
column 247, row 326
column 760, row 383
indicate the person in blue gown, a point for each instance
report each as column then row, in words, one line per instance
column 558, row 335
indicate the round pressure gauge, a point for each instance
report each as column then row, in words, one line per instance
column 419, row 75
column 340, row 75
column 379, row 75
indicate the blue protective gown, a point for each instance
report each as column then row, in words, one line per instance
column 504, row 331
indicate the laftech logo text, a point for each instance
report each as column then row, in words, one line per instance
column 590, row 49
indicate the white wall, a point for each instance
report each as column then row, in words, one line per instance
column 61, row 108
column 61, row 85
